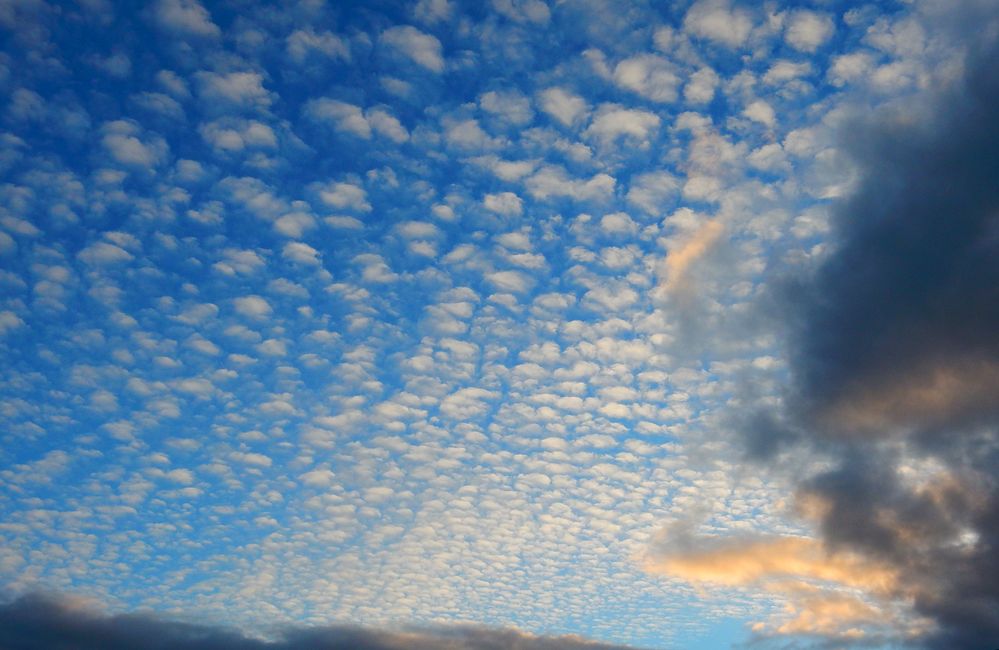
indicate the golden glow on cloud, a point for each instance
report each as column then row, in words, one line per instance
column 840, row 595
column 931, row 393
column 679, row 260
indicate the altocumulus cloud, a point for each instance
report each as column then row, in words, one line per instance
column 42, row 622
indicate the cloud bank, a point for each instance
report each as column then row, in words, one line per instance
column 40, row 622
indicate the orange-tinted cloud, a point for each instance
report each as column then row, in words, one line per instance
column 839, row 595
column 689, row 250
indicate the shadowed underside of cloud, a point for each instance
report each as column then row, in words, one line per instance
column 895, row 356
column 894, row 352
column 39, row 622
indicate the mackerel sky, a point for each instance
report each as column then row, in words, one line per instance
column 499, row 322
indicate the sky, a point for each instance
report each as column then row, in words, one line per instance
column 549, row 325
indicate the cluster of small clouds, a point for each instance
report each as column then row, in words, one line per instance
column 421, row 317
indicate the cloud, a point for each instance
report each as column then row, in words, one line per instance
column 552, row 181
column 613, row 122
column 234, row 89
column 344, row 195
column 375, row 269
column 513, row 281
column 432, row 11
column 819, row 587
column 468, row 135
column 651, row 191
column 422, row 48
column 124, row 141
column 700, row 88
column 104, row 253
column 762, row 112
column 510, row 105
column 185, row 18
column 848, row 68
column 564, row 106
column 303, row 42
column 345, row 117
column 687, row 250
column 9, row 321
column 718, row 21
column 807, row 30
column 893, row 348
column 505, row 203
column 300, row 253
column 648, row 75
column 234, row 135
column 521, row 11
column 348, row 118
column 36, row 621
column 252, row 306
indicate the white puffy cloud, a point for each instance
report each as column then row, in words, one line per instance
column 243, row 262
column 512, row 281
column 650, row 191
column 848, row 68
column 9, row 321
column 566, row 107
column 375, row 269
column 344, row 117
column 344, row 222
column 128, row 145
column 234, row 89
column 807, row 30
column 783, row 71
column 229, row 135
column 700, row 87
column 294, row 224
column 104, row 253
column 613, row 122
column 762, row 112
column 386, row 124
column 348, row 118
column 648, row 75
column 422, row 48
column 467, row 403
column 618, row 223
column 302, row 42
column 300, row 253
column 612, row 298
column 769, row 157
column 7, row 243
column 505, row 203
column 719, row 21
column 551, row 181
column 466, row 134
column 252, row 306
column 185, row 18
column 251, row 458
column 510, row 105
column 344, row 195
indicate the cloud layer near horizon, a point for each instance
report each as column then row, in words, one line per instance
column 37, row 622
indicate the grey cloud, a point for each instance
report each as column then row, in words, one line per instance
column 42, row 622
column 894, row 351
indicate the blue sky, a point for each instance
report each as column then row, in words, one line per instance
column 429, row 313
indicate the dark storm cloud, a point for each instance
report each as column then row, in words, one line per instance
column 38, row 622
column 894, row 350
